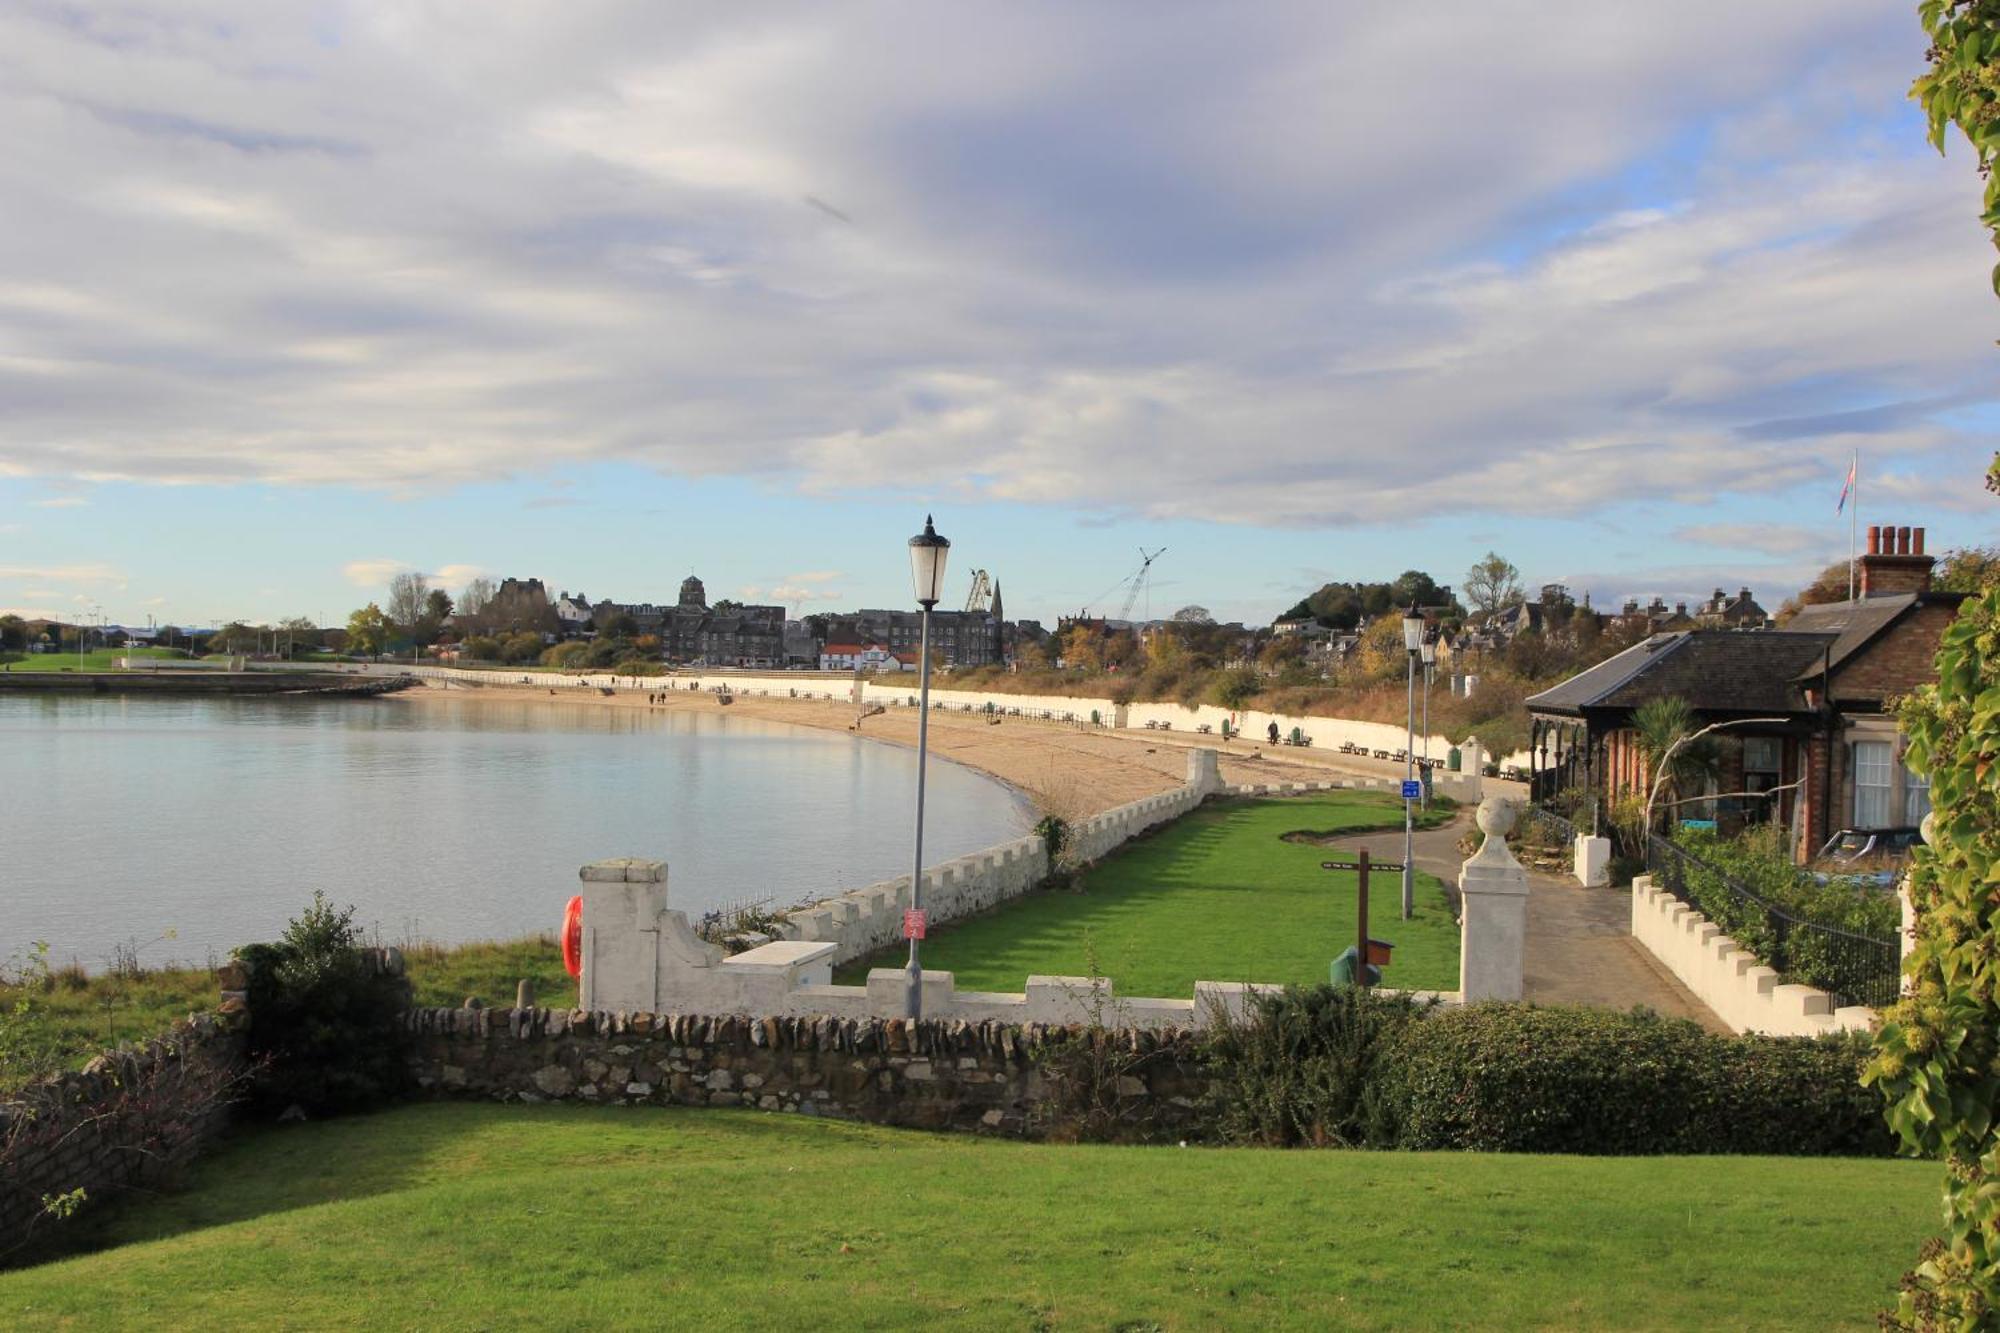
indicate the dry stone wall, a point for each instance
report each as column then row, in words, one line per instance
column 128, row 1119
column 986, row 1077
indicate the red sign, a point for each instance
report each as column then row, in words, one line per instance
column 913, row 924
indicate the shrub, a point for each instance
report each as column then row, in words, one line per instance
column 1305, row 1067
column 323, row 1022
column 1812, row 957
column 1519, row 1078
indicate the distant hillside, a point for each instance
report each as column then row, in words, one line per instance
column 1342, row 606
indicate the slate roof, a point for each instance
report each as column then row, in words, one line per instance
column 1716, row 671
column 1852, row 623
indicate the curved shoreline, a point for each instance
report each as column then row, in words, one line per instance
column 1056, row 768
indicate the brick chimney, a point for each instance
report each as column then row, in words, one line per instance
column 1895, row 562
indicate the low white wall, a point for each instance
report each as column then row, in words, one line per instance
column 1325, row 733
column 1730, row 980
column 863, row 920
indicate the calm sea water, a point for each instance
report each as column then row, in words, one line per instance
column 122, row 820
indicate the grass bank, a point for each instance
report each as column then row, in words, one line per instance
column 55, row 1019
column 471, row 1216
column 1218, row 895
column 97, row 659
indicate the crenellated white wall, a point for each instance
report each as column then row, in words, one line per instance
column 864, row 920
column 1731, row 980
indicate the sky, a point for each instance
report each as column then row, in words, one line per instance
column 293, row 297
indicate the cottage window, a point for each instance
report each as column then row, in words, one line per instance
column 1872, row 767
column 1916, row 796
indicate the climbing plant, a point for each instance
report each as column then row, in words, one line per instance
column 1937, row 1057
column 1962, row 88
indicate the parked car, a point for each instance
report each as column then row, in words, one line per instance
column 1876, row 856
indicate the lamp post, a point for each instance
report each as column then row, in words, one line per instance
column 928, row 552
column 1413, row 637
column 1428, row 650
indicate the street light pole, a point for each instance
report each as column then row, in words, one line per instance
column 928, row 553
column 1428, row 650
column 1413, row 632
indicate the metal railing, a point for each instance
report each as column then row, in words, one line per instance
column 1852, row 967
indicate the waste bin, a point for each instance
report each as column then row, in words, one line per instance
column 1342, row 971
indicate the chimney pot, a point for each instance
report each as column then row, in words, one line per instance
column 1874, row 539
column 1917, row 541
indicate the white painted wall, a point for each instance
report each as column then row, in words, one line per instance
column 1730, row 980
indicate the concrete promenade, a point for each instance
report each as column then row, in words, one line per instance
column 1579, row 946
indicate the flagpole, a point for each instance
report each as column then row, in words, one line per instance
column 1853, row 519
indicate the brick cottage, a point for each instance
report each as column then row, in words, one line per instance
column 1829, row 756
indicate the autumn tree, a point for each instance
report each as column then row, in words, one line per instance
column 1492, row 584
column 368, row 631
column 1937, row 1052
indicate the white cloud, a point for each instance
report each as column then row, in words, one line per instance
column 374, row 573
column 92, row 572
column 1767, row 538
column 61, row 502
column 1187, row 268
column 796, row 589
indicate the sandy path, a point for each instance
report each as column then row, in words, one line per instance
column 1073, row 772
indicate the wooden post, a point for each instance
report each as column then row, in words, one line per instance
column 1361, row 922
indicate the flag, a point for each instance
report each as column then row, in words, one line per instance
column 1847, row 487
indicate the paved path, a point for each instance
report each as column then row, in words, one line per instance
column 1579, row 946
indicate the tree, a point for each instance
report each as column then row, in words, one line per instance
column 407, row 595
column 298, row 634
column 13, row 634
column 522, row 646
column 1937, row 1052
column 481, row 648
column 1492, row 584
column 1829, row 585
column 1962, row 88
column 1193, row 615
column 1969, row 569
column 617, row 625
column 368, row 631
column 1662, row 725
column 475, row 597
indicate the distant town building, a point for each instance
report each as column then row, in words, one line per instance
column 690, row 631
column 864, row 657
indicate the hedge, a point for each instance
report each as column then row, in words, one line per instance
column 1518, row 1078
column 1332, row 1066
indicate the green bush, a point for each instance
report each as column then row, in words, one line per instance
column 1305, row 1066
column 1811, row 957
column 323, row 1026
column 1519, row 1078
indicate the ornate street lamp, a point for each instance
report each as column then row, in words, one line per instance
column 928, row 553
column 1413, row 639
column 1428, row 651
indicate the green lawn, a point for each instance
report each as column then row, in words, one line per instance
column 69, row 1017
column 1215, row 896
column 464, row 1216
column 97, row 659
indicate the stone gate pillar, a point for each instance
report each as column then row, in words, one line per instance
column 1494, row 924
column 1203, row 774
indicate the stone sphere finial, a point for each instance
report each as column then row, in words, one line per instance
column 1498, row 815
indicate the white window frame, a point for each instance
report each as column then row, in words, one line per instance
column 1882, row 788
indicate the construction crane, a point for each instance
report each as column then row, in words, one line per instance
column 982, row 591
column 1133, row 583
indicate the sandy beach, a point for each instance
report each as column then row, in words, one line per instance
column 1069, row 771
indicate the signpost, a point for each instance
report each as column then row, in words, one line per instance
column 913, row 924
column 1362, row 865
column 1413, row 790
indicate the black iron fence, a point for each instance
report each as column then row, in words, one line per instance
column 1852, row 967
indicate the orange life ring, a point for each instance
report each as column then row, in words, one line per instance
column 572, row 937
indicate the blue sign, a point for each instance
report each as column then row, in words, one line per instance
column 1413, row 790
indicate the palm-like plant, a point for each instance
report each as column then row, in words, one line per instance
column 1666, row 728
